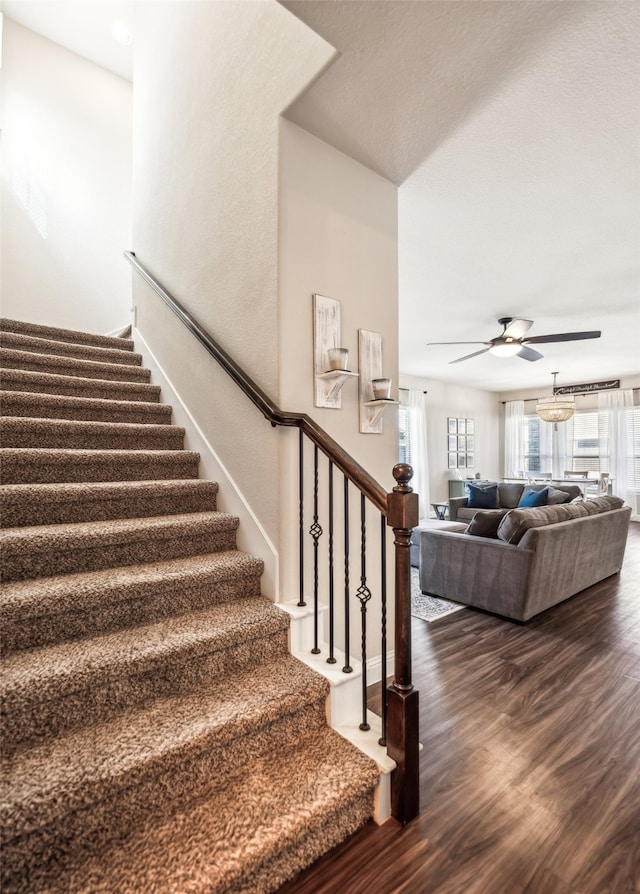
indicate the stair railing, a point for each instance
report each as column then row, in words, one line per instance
column 398, row 510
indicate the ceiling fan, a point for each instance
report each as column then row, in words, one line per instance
column 512, row 340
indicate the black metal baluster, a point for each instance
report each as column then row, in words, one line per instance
column 364, row 595
column 316, row 532
column 383, row 620
column 331, row 659
column 301, row 601
column 347, row 669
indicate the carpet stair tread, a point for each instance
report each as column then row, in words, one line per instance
column 158, row 736
column 29, row 431
column 19, row 342
column 27, row 380
column 47, row 610
column 98, row 762
column 47, row 692
column 50, row 466
column 72, row 502
column 247, row 834
column 64, row 549
column 69, row 366
column 68, row 335
column 90, row 409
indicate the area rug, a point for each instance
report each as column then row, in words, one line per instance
column 429, row 608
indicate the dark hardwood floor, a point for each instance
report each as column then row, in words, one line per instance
column 530, row 772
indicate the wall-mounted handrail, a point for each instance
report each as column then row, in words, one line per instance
column 398, row 510
column 346, row 463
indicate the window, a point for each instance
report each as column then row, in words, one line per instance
column 588, row 449
column 535, row 445
column 633, row 458
column 595, row 441
column 531, row 444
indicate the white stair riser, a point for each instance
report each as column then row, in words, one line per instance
column 344, row 703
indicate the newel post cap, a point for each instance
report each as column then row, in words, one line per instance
column 402, row 503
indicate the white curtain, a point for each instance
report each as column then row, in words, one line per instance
column 616, row 406
column 545, row 443
column 562, row 433
column 513, row 438
column 418, row 457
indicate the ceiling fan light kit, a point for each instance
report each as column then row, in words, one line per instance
column 506, row 347
column 513, row 341
column 553, row 408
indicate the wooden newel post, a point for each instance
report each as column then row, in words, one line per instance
column 402, row 698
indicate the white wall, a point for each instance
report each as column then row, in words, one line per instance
column 66, row 187
column 444, row 400
column 210, row 82
column 338, row 238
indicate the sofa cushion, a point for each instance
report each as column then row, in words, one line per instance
column 556, row 496
column 606, row 503
column 485, row 524
column 517, row 521
column 482, row 497
column 580, row 510
column 532, row 497
column 466, row 514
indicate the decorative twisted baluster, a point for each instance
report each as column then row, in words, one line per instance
column 316, row 532
column 364, row 595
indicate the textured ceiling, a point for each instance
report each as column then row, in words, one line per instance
column 513, row 132
column 410, row 73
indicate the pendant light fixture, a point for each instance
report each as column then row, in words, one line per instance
column 553, row 409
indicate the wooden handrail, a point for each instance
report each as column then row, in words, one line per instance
column 346, row 463
column 400, row 511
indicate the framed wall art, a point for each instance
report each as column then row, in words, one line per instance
column 460, row 443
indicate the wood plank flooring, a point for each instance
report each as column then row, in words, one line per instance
column 530, row 773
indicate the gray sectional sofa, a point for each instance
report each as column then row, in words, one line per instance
column 509, row 495
column 519, row 562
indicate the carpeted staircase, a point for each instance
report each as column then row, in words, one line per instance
column 157, row 734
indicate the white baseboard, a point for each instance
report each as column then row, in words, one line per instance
column 117, row 333
column 252, row 538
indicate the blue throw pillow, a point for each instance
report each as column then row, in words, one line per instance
column 483, row 497
column 531, row 498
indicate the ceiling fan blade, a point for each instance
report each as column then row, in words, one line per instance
column 469, row 356
column 561, row 336
column 529, row 354
column 458, row 343
column 517, row 328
